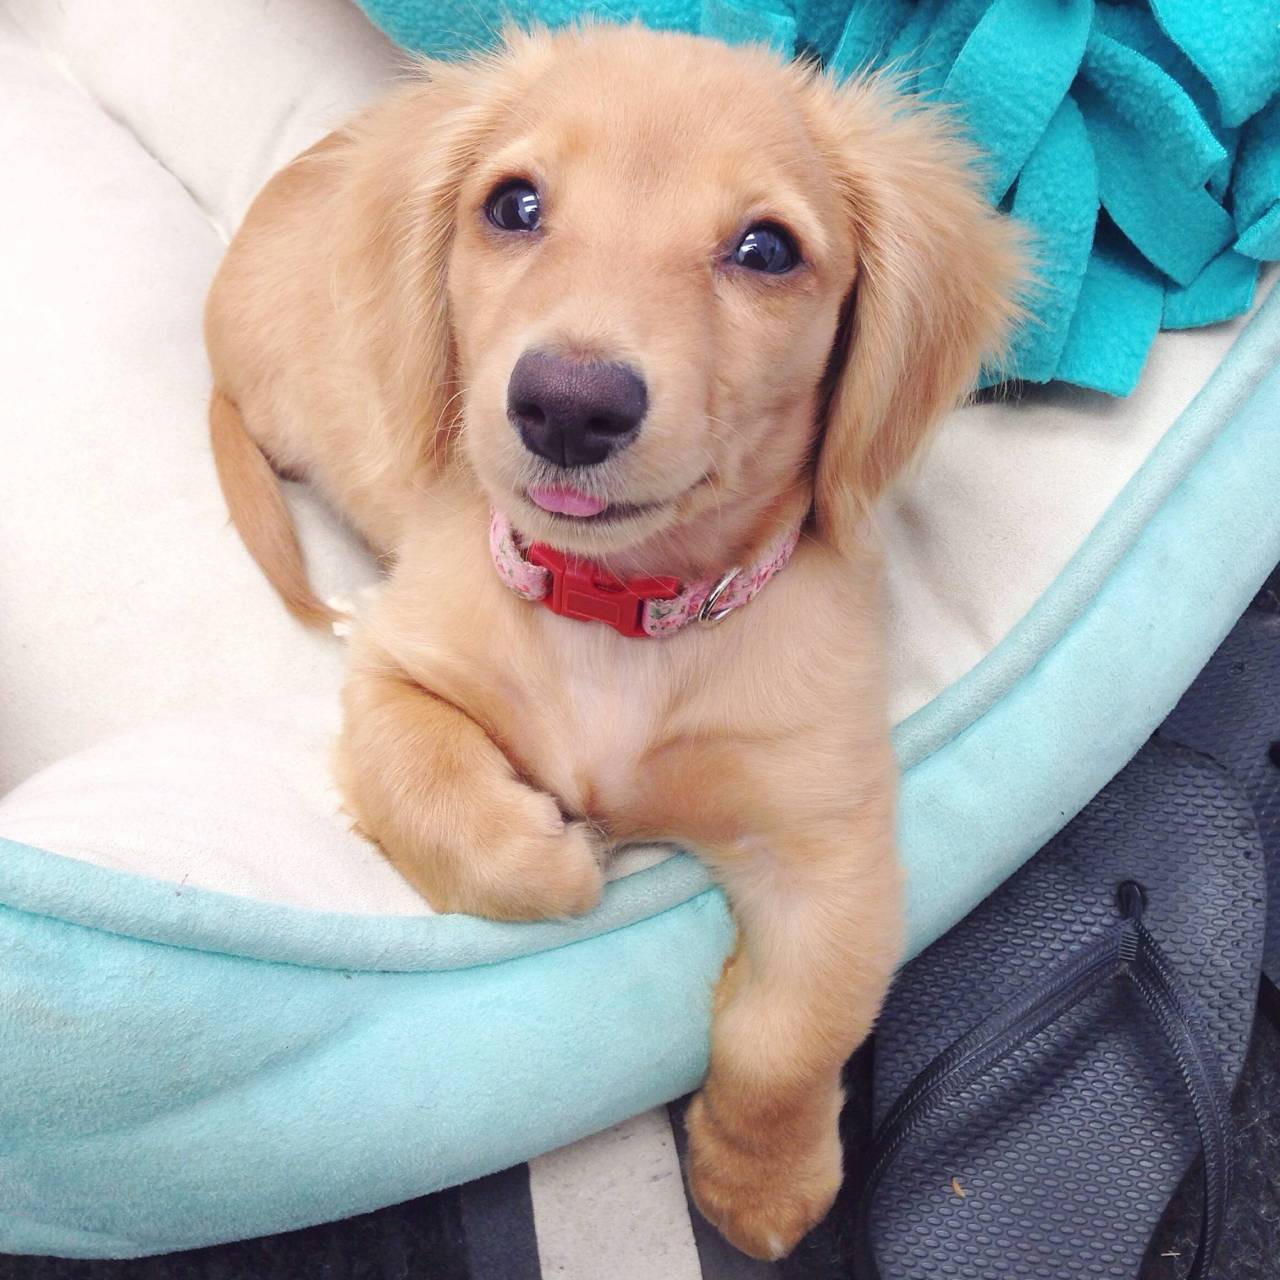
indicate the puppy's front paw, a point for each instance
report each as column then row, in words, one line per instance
column 766, row 1188
column 530, row 864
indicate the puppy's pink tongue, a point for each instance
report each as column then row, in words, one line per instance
column 567, row 502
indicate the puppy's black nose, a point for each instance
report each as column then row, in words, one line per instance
column 571, row 412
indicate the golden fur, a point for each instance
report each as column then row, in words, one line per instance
column 362, row 332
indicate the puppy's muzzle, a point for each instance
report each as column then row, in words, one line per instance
column 574, row 413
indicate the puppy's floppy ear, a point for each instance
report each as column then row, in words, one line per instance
column 407, row 158
column 934, row 294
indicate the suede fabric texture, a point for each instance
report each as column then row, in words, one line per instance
column 1139, row 141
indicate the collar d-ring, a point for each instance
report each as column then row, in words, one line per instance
column 708, row 612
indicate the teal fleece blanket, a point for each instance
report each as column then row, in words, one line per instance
column 1139, row 141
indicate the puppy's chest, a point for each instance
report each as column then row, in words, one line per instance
column 585, row 730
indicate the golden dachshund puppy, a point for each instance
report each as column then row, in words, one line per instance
column 610, row 340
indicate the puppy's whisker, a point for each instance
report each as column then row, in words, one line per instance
column 734, row 430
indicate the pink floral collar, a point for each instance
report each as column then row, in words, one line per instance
column 657, row 606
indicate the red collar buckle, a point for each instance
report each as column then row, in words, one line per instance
column 582, row 590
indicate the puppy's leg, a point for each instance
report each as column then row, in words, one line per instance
column 429, row 785
column 819, row 933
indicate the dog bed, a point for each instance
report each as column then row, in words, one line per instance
column 220, row 1014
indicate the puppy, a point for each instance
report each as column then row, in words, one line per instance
column 610, row 340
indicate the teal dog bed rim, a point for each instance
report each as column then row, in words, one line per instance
column 1251, row 357
column 992, row 767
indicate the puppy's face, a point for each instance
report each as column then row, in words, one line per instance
column 662, row 285
column 645, row 287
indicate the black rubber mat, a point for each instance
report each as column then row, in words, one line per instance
column 420, row 1240
column 1232, row 713
column 1061, row 1161
column 481, row 1231
column 1251, row 1242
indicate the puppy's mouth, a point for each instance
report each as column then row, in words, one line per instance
column 576, row 505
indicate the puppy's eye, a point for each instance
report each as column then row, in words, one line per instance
column 516, row 206
column 766, row 248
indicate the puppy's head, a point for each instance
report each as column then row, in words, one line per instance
column 665, row 287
